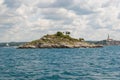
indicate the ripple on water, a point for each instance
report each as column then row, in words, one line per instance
column 60, row 64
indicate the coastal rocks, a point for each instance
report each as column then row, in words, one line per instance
column 60, row 46
column 27, row 46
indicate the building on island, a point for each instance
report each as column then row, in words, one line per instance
column 110, row 41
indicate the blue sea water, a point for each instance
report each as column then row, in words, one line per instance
column 60, row 64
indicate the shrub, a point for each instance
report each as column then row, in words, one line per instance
column 81, row 39
column 59, row 34
column 67, row 33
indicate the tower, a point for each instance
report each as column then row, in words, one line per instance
column 108, row 38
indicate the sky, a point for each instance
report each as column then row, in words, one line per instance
column 26, row 20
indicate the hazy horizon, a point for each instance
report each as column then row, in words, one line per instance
column 27, row 20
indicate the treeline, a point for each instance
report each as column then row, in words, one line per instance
column 103, row 42
column 6, row 44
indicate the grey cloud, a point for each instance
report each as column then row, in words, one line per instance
column 80, row 11
column 68, row 4
column 53, row 17
column 119, row 16
column 55, row 14
column 52, row 14
column 57, row 4
column 12, row 3
column 57, row 17
column 68, row 22
column 62, row 3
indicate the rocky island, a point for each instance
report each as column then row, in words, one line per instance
column 59, row 40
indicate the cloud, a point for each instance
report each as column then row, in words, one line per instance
column 12, row 4
column 26, row 20
column 62, row 3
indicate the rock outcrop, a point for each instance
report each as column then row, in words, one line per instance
column 58, row 41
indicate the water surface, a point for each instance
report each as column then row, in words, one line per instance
column 60, row 64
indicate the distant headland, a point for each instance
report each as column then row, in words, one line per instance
column 107, row 42
column 59, row 40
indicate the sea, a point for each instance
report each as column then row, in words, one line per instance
column 60, row 63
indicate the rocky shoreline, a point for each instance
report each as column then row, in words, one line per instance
column 58, row 41
column 60, row 46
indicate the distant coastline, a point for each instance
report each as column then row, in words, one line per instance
column 107, row 42
column 10, row 44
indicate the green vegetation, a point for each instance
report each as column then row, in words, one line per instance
column 67, row 33
column 59, row 37
column 81, row 39
column 59, row 34
column 65, row 36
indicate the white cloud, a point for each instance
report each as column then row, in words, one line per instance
column 1, row 1
column 31, row 19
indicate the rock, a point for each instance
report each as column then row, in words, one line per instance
column 27, row 46
column 60, row 46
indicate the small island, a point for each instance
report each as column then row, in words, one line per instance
column 59, row 40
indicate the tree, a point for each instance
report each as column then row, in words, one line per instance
column 59, row 33
column 81, row 39
column 67, row 33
